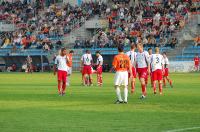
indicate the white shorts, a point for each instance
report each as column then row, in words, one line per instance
column 69, row 72
column 121, row 78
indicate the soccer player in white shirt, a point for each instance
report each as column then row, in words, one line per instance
column 61, row 67
column 157, row 67
column 86, row 64
column 143, row 67
column 150, row 55
column 99, row 69
column 132, row 55
column 166, row 71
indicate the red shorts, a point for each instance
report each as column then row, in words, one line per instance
column 157, row 75
column 87, row 70
column 99, row 70
column 142, row 72
column 196, row 65
column 133, row 72
column 166, row 72
column 62, row 75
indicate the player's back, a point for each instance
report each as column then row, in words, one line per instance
column 121, row 62
column 157, row 61
column 132, row 55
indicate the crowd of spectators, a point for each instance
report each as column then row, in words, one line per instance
column 151, row 23
column 43, row 27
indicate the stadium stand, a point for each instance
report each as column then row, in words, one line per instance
column 41, row 30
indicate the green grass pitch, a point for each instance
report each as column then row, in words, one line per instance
column 29, row 103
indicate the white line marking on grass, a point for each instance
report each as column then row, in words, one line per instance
column 183, row 129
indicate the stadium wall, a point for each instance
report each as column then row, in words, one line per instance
column 181, row 66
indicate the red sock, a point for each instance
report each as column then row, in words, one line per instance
column 160, row 87
column 144, row 90
column 154, row 87
column 132, row 87
column 100, row 80
column 90, row 80
column 63, row 87
column 59, row 86
column 146, row 81
column 164, row 82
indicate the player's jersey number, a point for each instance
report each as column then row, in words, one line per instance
column 123, row 63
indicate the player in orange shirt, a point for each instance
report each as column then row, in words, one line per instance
column 122, row 64
column 69, row 64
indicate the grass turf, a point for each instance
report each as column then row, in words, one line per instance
column 29, row 103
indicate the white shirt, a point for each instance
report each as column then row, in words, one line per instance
column 157, row 62
column 166, row 62
column 132, row 55
column 61, row 63
column 142, row 59
column 100, row 60
column 86, row 59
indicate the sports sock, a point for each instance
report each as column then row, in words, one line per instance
column 160, row 87
column 59, row 86
column 132, row 86
column 63, row 87
column 126, row 93
column 164, row 82
column 118, row 93
column 154, row 86
column 143, row 89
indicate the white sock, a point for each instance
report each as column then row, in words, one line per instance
column 117, row 89
column 125, row 93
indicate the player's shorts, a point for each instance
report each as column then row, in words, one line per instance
column 166, row 72
column 62, row 75
column 121, row 78
column 99, row 70
column 157, row 75
column 69, row 72
column 133, row 72
column 142, row 73
column 87, row 70
column 196, row 65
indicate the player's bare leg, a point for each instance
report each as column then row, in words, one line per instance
column 63, row 87
column 164, row 82
column 85, row 80
column 90, row 80
column 59, row 87
column 118, row 93
column 133, row 85
column 99, row 79
column 154, row 87
column 143, row 85
column 169, row 81
column 160, row 87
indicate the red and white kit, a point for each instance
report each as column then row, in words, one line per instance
column 142, row 62
column 62, row 67
column 132, row 55
column 99, row 64
column 157, row 62
column 87, row 59
column 166, row 68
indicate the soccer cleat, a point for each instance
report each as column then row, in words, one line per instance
column 125, row 102
column 171, row 86
column 63, row 94
column 142, row 97
column 161, row 93
column 132, row 91
column 154, row 92
column 119, row 102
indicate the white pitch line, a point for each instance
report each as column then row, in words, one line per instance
column 183, row 129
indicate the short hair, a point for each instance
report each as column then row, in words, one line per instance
column 140, row 44
column 120, row 48
column 149, row 49
column 62, row 49
column 164, row 53
column 71, row 51
column 87, row 51
column 133, row 46
column 157, row 49
column 97, row 52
